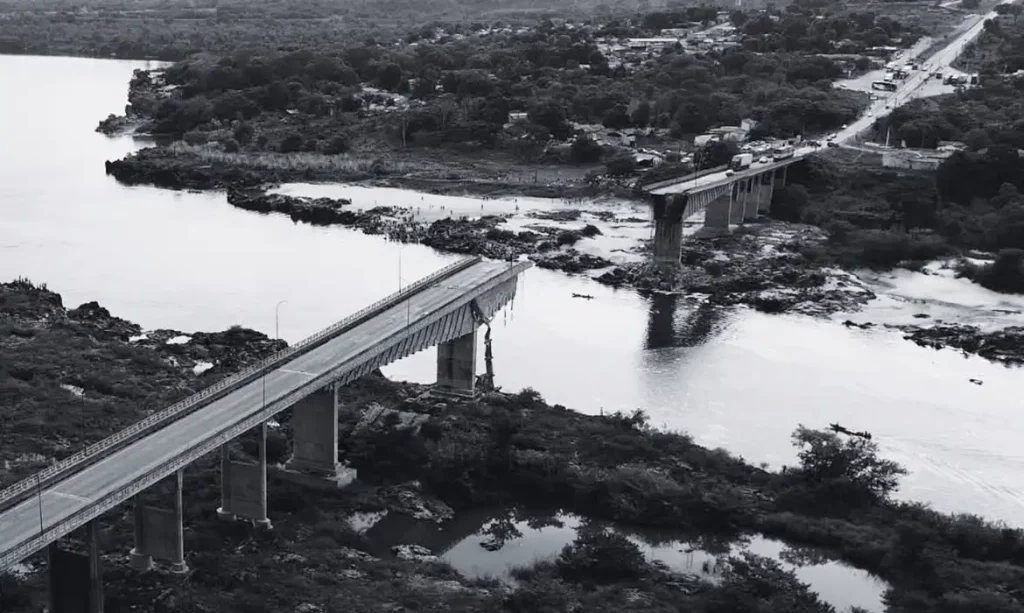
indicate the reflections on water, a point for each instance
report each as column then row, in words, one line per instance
column 490, row 544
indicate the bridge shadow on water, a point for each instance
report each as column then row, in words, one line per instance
column 668, row 328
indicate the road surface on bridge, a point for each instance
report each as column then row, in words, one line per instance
column 63, row 499
column 940, row 60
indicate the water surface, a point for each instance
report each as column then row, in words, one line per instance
column 730, row 377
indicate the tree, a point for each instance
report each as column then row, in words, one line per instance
column 845, row 472
column 621, row 166
column 551, row 115
column 617, row 118
column 244, row 133
column 291, row 143
column 585, row 151
column 389, row 76
column 336, row 146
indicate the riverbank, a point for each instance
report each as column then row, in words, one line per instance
column 505, row 450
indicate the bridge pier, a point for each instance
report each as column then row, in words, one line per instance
column 716, row 216
column 456, row 365
column 668, row 227
column 314, row 458
column 76, row 580
column 243, row 486
column 765, row 190
column 779, row 180
column 738, row 202
column 159, row 533
column 753, row 202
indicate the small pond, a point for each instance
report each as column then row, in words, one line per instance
column 469, row 541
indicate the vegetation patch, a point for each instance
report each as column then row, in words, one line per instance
column 502, row 450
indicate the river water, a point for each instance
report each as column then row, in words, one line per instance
column 731, row 378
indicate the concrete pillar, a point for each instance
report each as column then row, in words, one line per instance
column 244, row 486
column 95, row 572
column 764, row 204
column 456, row 365
column 159, row 533
column 315, row 433
column 780, row 179
column 223, row 512
column 753, row 198
column 738, row 203
column 717, row 214
column 76, row 583
column 138, row 558
column 668, row 226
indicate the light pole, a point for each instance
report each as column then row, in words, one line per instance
column 277, row 319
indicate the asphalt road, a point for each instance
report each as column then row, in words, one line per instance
column 937, row 62
column 111, row 474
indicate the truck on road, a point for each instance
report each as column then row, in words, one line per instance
column 741, row 161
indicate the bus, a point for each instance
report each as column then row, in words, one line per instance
column 781, row 153
column 886, row 86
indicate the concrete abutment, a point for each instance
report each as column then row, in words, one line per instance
column 669, row 211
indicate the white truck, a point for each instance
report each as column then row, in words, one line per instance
column 741, row 161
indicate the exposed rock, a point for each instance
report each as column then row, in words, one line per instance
column 407, row 499
column 377, row 417
column 414, row 552
column 1006, row 345
column 760, row 266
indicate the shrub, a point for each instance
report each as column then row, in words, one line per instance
column 601, row 556
column 291, row 144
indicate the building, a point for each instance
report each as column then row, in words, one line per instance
column 914, row 159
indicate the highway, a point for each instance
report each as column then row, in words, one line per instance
column 939, row 61
column 107, row 477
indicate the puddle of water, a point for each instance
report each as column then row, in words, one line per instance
column 466, row 544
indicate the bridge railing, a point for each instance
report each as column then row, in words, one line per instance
column 196, row 449
column 690, row 177
column 98, row 450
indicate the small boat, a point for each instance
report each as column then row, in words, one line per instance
column 584, row 296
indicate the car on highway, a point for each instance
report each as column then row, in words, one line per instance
column 832, row 143
column 763, row 160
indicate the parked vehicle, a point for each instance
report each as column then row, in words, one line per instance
column 741, row 161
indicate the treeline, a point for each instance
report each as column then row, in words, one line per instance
column 816, row 30
column 463, row 88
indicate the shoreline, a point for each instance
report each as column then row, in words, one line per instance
column 505, row 450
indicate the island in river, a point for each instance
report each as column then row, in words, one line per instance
column 434, row 459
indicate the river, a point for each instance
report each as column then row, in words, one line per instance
column 731, row 378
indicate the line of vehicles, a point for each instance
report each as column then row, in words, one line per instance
column 742, row 161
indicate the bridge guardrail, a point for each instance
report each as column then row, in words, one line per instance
column 684, row 179
column 139, row 428
column 96, row 508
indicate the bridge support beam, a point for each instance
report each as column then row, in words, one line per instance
column 738, row 202
column 159, row 533
column 456, row 365
column 766, row 188
column 668, row 227
column 779, row 180
column 314, row 458
column 753, row 202
column 243, row 486
column 716, row 216
column 76, row 580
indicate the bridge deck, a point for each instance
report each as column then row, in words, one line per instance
column 106, row 477
column 705, row 182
